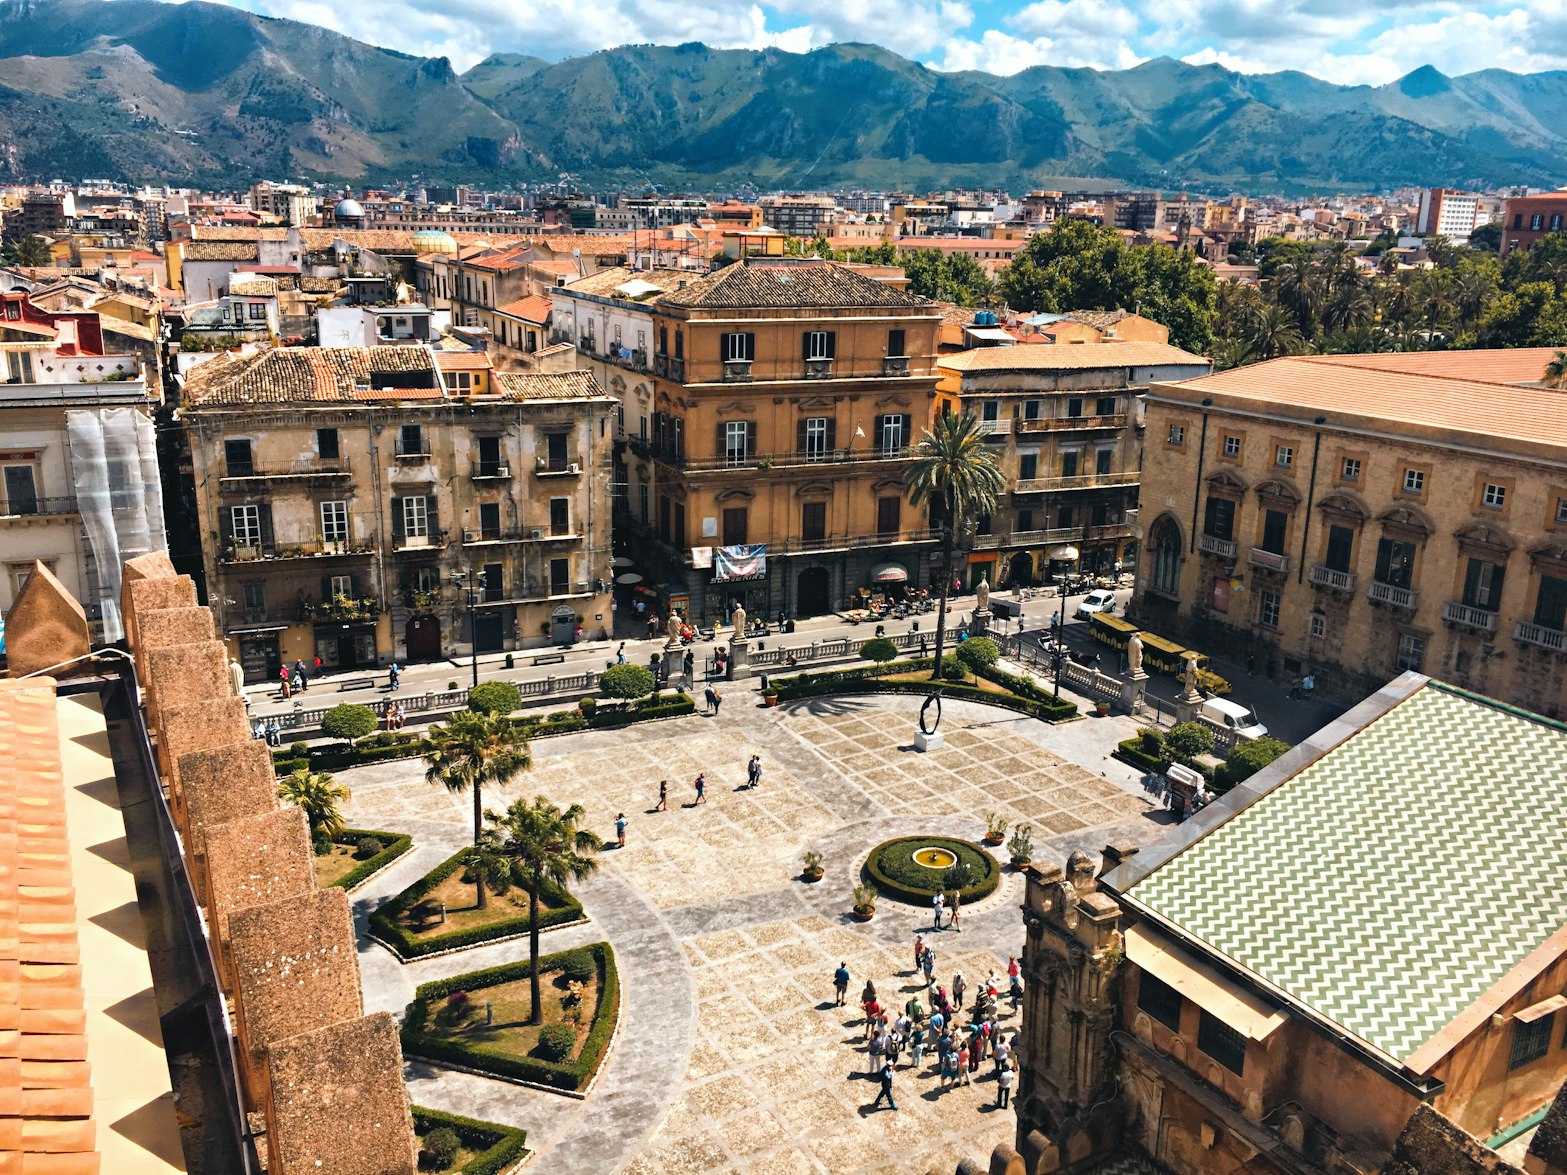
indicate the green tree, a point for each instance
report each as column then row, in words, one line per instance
column 1187, row 741
column 319, row 796
column 1247, row 758
column 470, row 752
column 1487, row 237
column 628, row 681
column 545, row 845
column 348, row 721
column 494, row 697
column 1273, row 331
column 1532, row 315
column 978, row 653
column 30, row 252
column 954, row 476
column 879, row 649
column 1556, row 370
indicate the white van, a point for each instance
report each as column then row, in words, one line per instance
column 1235, row 717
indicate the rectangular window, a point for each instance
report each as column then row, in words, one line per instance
column 1027, row 466
column 1550, row 605
column 1275, row 524
column 257, row 311
column 555, row 450
column 1030, row 409
column 737, row 438
column 1074, row 406
column 896, row 347
column 1395, row 563
column 889, row 513
column 892, row 432
column 990, row 410
column 642, row 503
column 1411, row 652
column 1219, row 518
column 1537, row 222
column 1414, row 481
column 1268, row 609
column 1483, row 585
column 1556, row 222
column 1561, row 509
column 1341, row 545
column 821, row 344
column 560, row 576
column 1221, row 1042
column 416, row 517
column 1025, row 520
column 1319, row 626
column 490, row 521
column 736, row 525
column 326, row 444
column 255, row 595
column 493, row 581
column 739, row 346
column 1493, row 497
column 246, row 523
column 1102, row 460
column 341, row 585
column 1159, row 1000
column 1530, row 1040
column 334, row 522
column 21, row 491
column 560, row 515
column 1105, row 406
column 1283, row 456
column 1177, row 435
column 237, row 459
column 1232, row 446
column 410, row 440
column 1069, row 463
column 1351, row 469
column 813, row 521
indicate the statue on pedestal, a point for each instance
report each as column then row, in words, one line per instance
column 982, row 595
column 933, row 700
column 1134, row 654
column 739, row 622
column 1189, row 677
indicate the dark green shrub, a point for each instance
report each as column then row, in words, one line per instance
column 368, row 847
column 979, row 653
column 1246, row 759
column 299, row 750
column 588, row 706
column 321, row 846
column 499, row 1147
column 396, row 845
column 494, row 697
column 348, row 721
column 952, row 668
column 891, row 868
column 1151, row 741
column 442, row 1145
column 579, row 968
column 627, row 681
column 879, row 649
column 1187, row 741
column 556, row 1041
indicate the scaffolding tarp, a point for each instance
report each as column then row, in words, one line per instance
column 114, row 463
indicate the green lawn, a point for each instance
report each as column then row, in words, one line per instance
column 506, row 1030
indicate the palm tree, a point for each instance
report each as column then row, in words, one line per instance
column 955, row 477
column 470, row 751
column 318, row 795
column 545, row 845
column 1273, row 331
column 1556, row 371
column 30, row 252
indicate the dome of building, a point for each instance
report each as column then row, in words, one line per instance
column 433, row 240
column 348, row 209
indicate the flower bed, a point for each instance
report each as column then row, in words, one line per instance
column 396, row 844
column 891, row 868
column 496, row 1149
column 386, row 922
column 494, row 1055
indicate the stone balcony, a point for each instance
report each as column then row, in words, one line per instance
column 1326, row 577
column 1540, row 636
column 1462, row 615
column 1268, row 560
column 1387, row 593
column 1213, row 545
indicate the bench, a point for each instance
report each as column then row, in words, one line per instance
column 550, row 659
column 356, row 683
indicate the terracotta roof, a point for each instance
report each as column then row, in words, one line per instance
column 1462, row 409
column 762, row 286
column 1069, row 357
column 131, row 330
column 1519, row 365
column 320, row 285
column 462, row 361
column 606, row 281
column 558, row 268
column 310, row 375
column 532, row 309
column 565, row 385
column 221, row 251
column 254, row 287
column 236, row 232
column 1098, row 319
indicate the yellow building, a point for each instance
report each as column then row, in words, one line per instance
column 340, row 491
column 786, row 397
column 1353, row 516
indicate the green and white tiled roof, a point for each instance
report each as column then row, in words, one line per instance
column 1389, row 884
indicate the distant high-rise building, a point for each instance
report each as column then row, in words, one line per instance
column 1444, row 212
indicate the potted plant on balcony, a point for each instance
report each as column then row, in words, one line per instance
column 813, row 867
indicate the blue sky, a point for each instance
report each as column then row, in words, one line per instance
column 1348, row 41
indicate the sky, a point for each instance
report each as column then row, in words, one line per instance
column 1345, row 41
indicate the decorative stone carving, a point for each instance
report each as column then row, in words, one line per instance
column 45, row 626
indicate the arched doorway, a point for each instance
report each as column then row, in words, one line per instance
column 423, row 638
column 1164, row 550
column 1021, row 570
column 813, row 592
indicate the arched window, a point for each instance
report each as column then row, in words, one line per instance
column 1164, row 553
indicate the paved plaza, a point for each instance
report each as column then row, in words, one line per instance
column 729, row 1055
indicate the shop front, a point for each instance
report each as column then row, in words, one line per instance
column 259, row 652
column 346, row 645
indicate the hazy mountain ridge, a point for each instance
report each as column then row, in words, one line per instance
column 144, row 90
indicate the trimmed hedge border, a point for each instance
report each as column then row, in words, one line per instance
column 378, row 748
column 570, row 1077
column 1131, row 751
column 1027, row 698
column 386, row 931
column 906, row 892
column 501, row 1148
column 397, row 843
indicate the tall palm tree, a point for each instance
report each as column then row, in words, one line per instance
column 1556, row 370
column 955, row 477
column 1272, row 332
column 470, row 751
column 30, row 252
column 318, row 795
column 545, row 845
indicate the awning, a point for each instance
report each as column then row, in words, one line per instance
column 1212, row 992
column 889, row 573
column 1545, row 1007
column 989, row 334
column 258, row 631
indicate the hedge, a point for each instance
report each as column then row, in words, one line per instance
column 568, row 1075
column 397, row 843
column 378, row 748
column 385, row 926
column 1131, row 751
column 888, row 875
column 1030, row 698
column 500, row 1147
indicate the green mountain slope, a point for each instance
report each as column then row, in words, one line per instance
column 142, row 89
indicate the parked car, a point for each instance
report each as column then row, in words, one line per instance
column 1234, row 716
column 1098, row 600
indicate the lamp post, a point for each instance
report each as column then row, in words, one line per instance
column 462, row 580
column 1066, row 553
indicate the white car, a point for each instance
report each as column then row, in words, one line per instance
column 1098, row 600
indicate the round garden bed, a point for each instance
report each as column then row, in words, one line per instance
column 913, row 868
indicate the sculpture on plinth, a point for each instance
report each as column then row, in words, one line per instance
column 933, row 700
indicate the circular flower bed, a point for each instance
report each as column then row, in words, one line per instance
column 894, row 870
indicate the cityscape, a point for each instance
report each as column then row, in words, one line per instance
column 515, row 665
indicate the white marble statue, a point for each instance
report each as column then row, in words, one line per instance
column 1134, row 654
column 738, row 619
column 982, row 595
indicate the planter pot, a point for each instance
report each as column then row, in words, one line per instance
column 864, row 915
column 1022, row 865
column 1102, row 708
column 992, row 841
column 810, row 877
column 770, row 699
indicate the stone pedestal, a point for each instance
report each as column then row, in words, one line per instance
column 1132, row 690
column 928, row 742
column 980, row 625
column 1187, row 705
column 739, row 659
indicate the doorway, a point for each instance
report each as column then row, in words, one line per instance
column 487, row 629
column 1022, row 569
column 423, row 638
column 813, row 592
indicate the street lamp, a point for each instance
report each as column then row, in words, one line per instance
column 1066, row 553
column 461, row 579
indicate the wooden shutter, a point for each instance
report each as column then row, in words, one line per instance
column 397, row 518
column 750, row 438
column 226, row 524
column 832, row 433
column 264, row 513
column 799, row 435
column 832, row 344
column 805, row 345
column 432, row 519
column 722, row 447
column 750, row 346
column 326, row 589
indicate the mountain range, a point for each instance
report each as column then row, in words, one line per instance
column 206, row 93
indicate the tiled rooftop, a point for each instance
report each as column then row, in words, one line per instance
column 308, row 375
column 565, row 385
column 221, row 251
column 532, row 309
column 761, row 286
column 1515, row 365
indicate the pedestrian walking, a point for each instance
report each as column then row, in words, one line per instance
column 1015, row 993
column 711, row 697
column 620, row 831
column 620, row 654
column 1307, row 685
column 315, row 665
column 886, row 1089
column 663, row 795
column 394, row 677
column 288, row 690
column 894, row 1048
column 916, row 1047
column 299, row 675
column 937, row 903
column 753, row 771
column 690, row 663
column 963, row 1064
column 717, row 698
column 701, row 788
column 1000, row 1053
column 952, row 919
column 840, row 983
column 876, row 1053
column 914, row 1010
column 937, row 1023
column 872, row 1014
column 1004, row 1086
column 928, row 965
column 919, row 951
column 958, row 988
